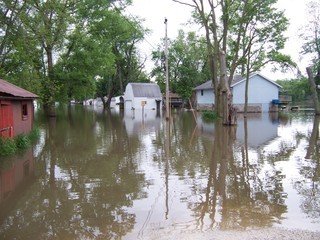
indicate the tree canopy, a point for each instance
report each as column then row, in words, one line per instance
column 64, row 49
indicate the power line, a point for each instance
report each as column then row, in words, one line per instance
column 133, row 17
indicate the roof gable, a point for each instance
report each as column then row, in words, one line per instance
column 12, row 90
column 236, row 80
column 239, row 79
column 204, row 86
column 150, row 90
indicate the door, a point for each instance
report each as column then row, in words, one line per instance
column 6, row 119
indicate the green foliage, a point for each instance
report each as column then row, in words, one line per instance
column 60, row 50
column 256, row 32
column 188, row 64
column 299, row 89
column 22, row 141
column 7, row 146
column 34, row 134
column 209, row 116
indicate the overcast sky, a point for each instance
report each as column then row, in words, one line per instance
column 155, row 11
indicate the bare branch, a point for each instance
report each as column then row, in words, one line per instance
column 184, row 3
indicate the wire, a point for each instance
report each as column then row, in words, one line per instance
column 133, row 17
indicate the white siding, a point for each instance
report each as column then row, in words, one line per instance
column 260, row 91
column 139, row 102
column 206, row 98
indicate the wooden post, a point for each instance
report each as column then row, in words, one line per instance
column 167, row 72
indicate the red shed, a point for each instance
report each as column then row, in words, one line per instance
column 16, row 110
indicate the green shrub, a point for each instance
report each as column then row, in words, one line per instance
column 7, row 146
column 22, row 141
column 34, row 134
column 209, row 116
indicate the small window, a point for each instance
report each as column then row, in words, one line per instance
column 201, row 92
column 24, row 111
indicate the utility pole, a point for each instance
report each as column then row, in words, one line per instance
column 167, row 71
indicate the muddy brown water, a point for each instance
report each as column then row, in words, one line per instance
column 134, row 175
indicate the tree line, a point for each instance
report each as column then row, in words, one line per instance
column 70, row 49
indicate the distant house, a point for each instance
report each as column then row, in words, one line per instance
column 175, row 100
column 117, row 101
column 16, row 110
column 142, row 96
column 262, row 94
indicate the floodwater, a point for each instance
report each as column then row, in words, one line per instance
column 134, row 175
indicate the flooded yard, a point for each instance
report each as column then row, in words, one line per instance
column 134, row 175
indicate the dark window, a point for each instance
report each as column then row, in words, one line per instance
column 201, row 92
column 24, row 111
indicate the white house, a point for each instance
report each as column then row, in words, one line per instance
column 261, row 94
column 142, row 96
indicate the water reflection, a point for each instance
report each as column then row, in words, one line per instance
column 308, row 186
column 127, row 175
column 17, row 174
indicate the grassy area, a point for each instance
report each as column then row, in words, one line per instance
column 209, row 116
column 11, row 146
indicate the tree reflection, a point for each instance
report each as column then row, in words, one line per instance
column 308, row 187
column 238, row 195
column 83, row 191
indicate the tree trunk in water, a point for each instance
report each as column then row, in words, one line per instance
column 229, row 114
column 313, row 89
column 50, row 86
column 247, row 85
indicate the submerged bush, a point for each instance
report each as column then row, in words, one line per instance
column 9, row 146
column 209, row 116
column 22, row 141
column 34, row 134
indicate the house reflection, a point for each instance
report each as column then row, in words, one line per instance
column 141, row 121
column 16, row 174
column 260, row 129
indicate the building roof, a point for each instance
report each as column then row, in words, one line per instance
column 150, row 90
column 236, row 80
column 10, row 90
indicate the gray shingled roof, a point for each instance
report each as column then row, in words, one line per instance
column 236, row 80
column 11, row 90
column 150, row 90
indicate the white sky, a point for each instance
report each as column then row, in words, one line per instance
column 155, row 11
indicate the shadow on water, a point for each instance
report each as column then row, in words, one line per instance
column 96, row 174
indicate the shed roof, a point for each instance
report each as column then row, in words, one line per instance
column 150, row 90
column 236, row 80
column 11, row 90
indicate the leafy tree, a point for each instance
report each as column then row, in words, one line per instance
column 188, row 65
column 20, row 61
column 66, row 48
column 311, row 35
column 47, row 22
column 103, row 55
column 250, row 33
column 312, row 47
column 299, row 89
column 256, row 39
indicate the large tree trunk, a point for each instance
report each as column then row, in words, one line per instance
column 229, row 114
column 247, row 84
column 313, row 89
column 49, row 86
